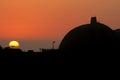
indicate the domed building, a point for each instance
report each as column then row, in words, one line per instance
column 89, row 36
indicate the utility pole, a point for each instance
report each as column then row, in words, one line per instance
column 53, row 44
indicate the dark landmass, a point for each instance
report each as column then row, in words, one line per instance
column 85, row 57
column 94, row 45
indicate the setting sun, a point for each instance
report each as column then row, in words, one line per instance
column 13, row 44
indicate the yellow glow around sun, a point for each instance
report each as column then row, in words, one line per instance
column 14, row 44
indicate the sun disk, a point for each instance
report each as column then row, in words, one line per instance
column 14, row 44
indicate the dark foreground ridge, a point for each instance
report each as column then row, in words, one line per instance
column 93, row 44
column 85, row 57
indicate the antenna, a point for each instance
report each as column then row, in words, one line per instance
column 53, row 44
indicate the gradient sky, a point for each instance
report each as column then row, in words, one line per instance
column 36, row 23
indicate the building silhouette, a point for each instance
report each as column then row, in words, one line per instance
column 89, row 36
column 89, row 45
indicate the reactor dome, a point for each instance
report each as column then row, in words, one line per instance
column 93, row 35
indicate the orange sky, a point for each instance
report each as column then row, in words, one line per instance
column 41, row 21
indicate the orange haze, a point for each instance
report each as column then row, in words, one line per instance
column 52, row 19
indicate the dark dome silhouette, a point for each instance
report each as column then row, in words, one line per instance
column 93, row 35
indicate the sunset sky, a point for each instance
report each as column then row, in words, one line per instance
column 36, row 23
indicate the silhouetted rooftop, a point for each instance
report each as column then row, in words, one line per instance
column 88, row 35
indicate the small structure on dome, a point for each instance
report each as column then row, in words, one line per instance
column 93, row 35
column 93, row 20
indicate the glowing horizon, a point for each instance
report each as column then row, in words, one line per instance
column 52, row 19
